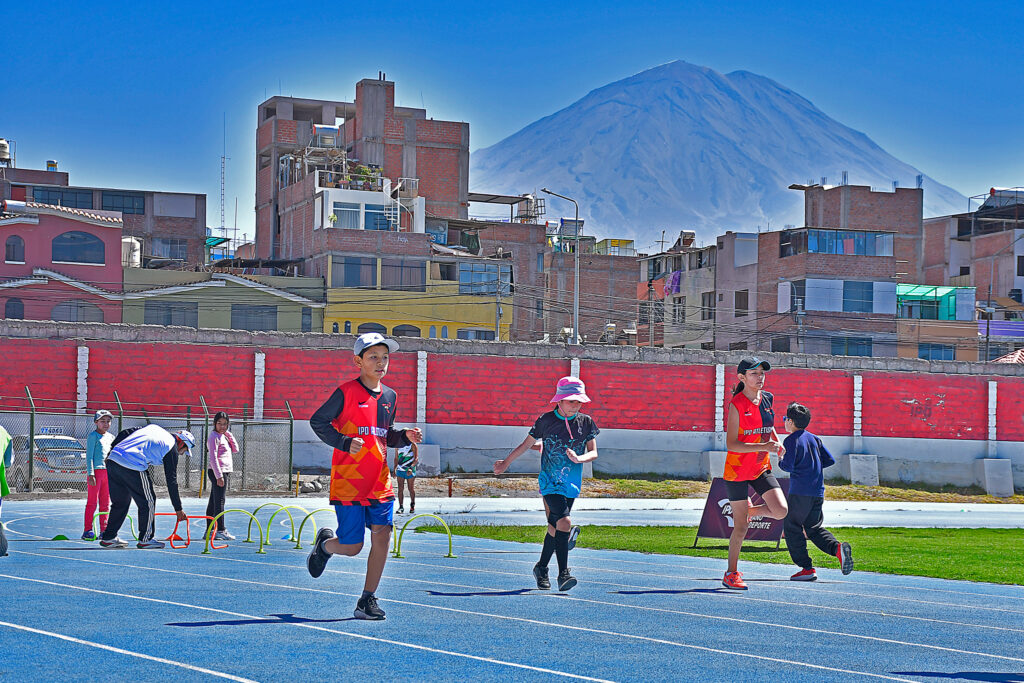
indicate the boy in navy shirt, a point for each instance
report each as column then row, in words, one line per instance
column 805, row 458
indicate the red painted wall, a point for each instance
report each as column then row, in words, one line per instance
column 827, row 393
column 649, row 396
column 929, row 407
column 47, row 367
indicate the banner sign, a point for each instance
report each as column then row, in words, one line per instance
column 716, row 522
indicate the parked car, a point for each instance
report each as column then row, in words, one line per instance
column 58, row 462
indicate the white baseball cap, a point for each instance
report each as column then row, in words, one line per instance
column 102, row 413
column 365, row 341
column 187, row 438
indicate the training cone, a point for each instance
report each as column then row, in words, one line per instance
column 59, row 537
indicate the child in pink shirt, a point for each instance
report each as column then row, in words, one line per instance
column 220, row 446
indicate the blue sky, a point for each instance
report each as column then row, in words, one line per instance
column 132, row 96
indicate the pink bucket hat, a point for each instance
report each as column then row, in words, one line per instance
column 570, row 389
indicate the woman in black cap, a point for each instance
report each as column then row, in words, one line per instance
column 750, row 436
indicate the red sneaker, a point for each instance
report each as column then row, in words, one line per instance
column 805, row 575
column 845, row 555
column 734, row 580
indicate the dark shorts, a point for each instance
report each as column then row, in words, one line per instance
column 558, row 505
column 738, row 489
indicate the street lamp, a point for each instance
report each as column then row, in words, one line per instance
column 576, row 276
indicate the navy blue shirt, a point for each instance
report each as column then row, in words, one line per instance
column 805, row 459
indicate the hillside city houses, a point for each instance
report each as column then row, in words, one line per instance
column 363, row 223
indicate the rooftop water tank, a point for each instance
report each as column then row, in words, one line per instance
column 5, row 152
column 51, row 164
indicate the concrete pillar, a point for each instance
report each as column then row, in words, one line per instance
column 259, row 376
column 720, row 417
column 574, row 367
column 863, row 469
column 858, row 404
column 82, row 380
column 421, row 389
column 993, row 400
column 997, row 476
column 713, row 463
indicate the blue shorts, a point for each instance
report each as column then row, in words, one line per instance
column 353, row 519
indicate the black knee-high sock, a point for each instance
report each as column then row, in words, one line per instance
column 562, row 550
column 548, row 550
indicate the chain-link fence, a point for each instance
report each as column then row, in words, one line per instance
column 57, row 440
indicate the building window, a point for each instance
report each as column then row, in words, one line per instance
column 375, row 218
column 14, row 309
column 173, row 248
column 77, row 247
column 920, row 310
column 679, row 310
column 347, row 215
column 653, row 268
column 400, row 274
column 780, row 344
column 75, row 199
column 707, row 306
column 966, row 270
column 348, row 327
column 444, row 332
column 839, row 242
column 740, row 303
column 334, row 328
column 738, row 346
column 125, row 202
column 77, row 312
column 482, row 278
column 14, row 249
column 705, row 258
column 851, row 346
column 858, row 297
column 350, row 271
column 1020, row 266
column 253, row 318
column 179, row 313
column 485, row 335
column 708, row 346
column 433, row 332
column 405, row 331
column 540, row 308
column 797, row 294
column 936, row 351
column 444, row 271
column 307, row 319
column 371, row 327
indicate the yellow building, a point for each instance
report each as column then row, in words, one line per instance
column 450, row 296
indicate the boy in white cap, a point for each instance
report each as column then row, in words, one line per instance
column 131, row 454
column 96, row 448
column 358, row 421
column 568, row 441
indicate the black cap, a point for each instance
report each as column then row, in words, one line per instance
column 752, row 362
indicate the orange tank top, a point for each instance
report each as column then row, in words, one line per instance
column 756, row 425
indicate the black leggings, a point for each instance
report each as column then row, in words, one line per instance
column 805, row 516
column 216, row 504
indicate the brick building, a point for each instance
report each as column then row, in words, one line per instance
column 365, row 165
column 168, row 225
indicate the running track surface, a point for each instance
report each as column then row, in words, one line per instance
column 70, row 610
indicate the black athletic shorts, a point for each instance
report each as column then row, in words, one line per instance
column 738, row 489
column 558, row 505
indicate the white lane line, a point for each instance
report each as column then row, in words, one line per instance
column 543, row 623
column 784, row 586
column 161, row 660
column 359, row 636
column 765, row 566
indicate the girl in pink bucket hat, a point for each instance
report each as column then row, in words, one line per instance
column 568, row 440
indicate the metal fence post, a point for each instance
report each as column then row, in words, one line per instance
column 31, row 437
column 188, row 460
column 205, row 456
column 245, row 423
column 120, row 412
column 291, row 440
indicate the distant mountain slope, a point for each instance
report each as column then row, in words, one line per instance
column 681, row 146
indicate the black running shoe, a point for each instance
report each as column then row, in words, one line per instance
column 845, row 555
column 541, row 574
column 566, row 580
column 317, row 558
column 574, row 533
column 367, row 608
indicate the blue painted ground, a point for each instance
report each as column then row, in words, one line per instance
column 237, row 614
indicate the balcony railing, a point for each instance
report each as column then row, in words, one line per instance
column 342, row 181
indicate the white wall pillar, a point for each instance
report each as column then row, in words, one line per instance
column 82, row 381
column 574, row 367
column 720, row 408
column 858, row 405
column 259, row 375
column 421, row 388
column 993, row 401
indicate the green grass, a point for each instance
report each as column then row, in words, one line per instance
column 969, row 554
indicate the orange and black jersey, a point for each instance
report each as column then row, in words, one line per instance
column 756, row 425
column 354, row 411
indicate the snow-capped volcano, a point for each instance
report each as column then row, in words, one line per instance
column 681, row 146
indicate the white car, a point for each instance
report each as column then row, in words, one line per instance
column 58, row 463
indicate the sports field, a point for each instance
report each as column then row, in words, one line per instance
column 74, row 611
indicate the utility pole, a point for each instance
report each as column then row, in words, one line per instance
column 497, row 308
column 576, row 277
column 650, row 313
